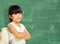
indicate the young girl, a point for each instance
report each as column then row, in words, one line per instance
column 17, row 31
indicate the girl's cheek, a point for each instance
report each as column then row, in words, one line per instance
column 15, row 17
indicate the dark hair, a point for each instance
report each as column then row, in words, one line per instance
column 14, row 9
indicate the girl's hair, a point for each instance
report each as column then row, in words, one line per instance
column 14, row 9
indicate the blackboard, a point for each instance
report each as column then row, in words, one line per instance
column 40, row 17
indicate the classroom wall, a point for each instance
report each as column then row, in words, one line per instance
column 40, row 17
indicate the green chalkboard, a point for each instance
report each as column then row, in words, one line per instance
column 41, row 18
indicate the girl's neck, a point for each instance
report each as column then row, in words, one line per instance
column 17, row 23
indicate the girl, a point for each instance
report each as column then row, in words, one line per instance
column 17, row 31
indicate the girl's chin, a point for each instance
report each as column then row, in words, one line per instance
column 18, row 21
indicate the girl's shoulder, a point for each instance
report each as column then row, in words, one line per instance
column 10, row 23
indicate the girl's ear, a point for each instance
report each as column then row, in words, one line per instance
column 10, row 16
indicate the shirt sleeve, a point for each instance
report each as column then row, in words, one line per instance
column 23, row 26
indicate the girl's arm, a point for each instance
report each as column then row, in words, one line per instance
column 18, row 35
column 26, row 34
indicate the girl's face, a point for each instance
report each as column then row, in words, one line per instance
column 16, row 17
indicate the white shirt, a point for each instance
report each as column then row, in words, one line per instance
column 19, row 29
